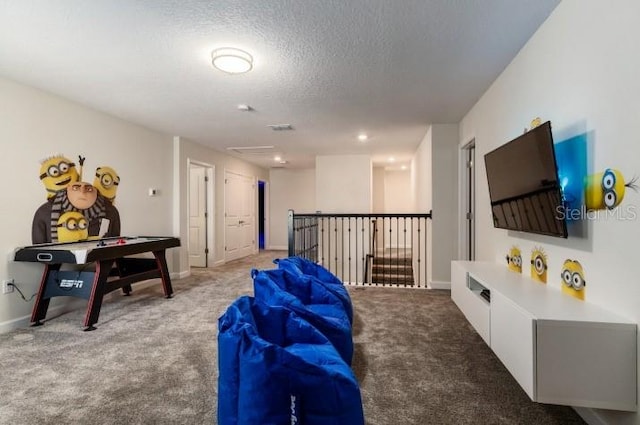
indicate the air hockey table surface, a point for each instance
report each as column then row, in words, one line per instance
column 94, row 250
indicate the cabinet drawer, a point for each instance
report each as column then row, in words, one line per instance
column 475, row 308
column 513, row 340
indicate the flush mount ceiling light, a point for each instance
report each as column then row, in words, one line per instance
column 363, row 137
column 231, row 60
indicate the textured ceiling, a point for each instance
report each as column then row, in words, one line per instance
column 330, row 68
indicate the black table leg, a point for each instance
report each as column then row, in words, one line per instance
column 41, row 305
column 161, row 261
column 103, row 268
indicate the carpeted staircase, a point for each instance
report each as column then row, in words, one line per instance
column 392, row 266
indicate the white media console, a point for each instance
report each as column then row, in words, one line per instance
column 560, row 350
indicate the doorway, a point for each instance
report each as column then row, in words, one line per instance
column 468, row 180
column 261, row 214
column 199, row 210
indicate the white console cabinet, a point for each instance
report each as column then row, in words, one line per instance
column 560, row 350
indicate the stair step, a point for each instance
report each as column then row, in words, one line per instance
column 399, row 270
column 392, row 279
column 397, row 260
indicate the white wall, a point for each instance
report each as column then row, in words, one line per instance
column 580, row 71
column 421, row 184
column 444, row 228
column 397, row 193
column 343, row 183
column 188, row 150
column 435, row 181
column 289, row 189
column 378, row 190
column 421, row 175
column 36, row 124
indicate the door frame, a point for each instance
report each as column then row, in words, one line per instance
column 467, row 242
column 266, row 213
column 210, row 204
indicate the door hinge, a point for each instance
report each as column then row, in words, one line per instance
column 225, row 181
column 206, row 214
column 206, row 178
column 469, row 164
column 206, row 250
column 469, row 216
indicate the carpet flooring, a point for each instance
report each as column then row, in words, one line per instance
column 153, row 360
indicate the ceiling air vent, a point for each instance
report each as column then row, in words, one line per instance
column 251, row 150
column 280, row 127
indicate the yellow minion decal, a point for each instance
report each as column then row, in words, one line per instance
column 514, row 260
column 606, row 189
column 573, row 281
column 56, row 173
column 72, row 227
column 539, row 265
column 107, row 181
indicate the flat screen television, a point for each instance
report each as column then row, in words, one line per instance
column 524, row 188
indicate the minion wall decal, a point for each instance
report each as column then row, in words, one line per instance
column 539, row 265
column 534, row 123
column 74, row 210
column 72, row 227
column 606, row 189
column 107, row 181
column 573, row 281
column 514, row 260
column 56, row 173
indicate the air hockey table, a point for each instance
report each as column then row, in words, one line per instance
column 93, row 274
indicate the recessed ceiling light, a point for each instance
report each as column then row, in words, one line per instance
column 404, row 167
column 277, row 159
column 391, row 159
column 231, row 60
column 363, row 137
column 245, row 108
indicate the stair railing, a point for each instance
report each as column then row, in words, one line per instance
column 364, row 249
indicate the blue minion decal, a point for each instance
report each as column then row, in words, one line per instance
column 606, row 189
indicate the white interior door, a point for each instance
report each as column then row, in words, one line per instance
column 240, row 212
column 197, row 216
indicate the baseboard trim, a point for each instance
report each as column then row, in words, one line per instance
column 180, row 275
column 437, row 284
column 590, row 416
column 25, row 321
column 12, row 325
column 277, row 248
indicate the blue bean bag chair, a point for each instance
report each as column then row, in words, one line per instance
column 275, row 368
column 303, row 266
column 310, row 300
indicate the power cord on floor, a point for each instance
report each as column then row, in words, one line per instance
column 20, row 292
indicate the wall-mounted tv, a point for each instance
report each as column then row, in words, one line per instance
column 523, row 182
